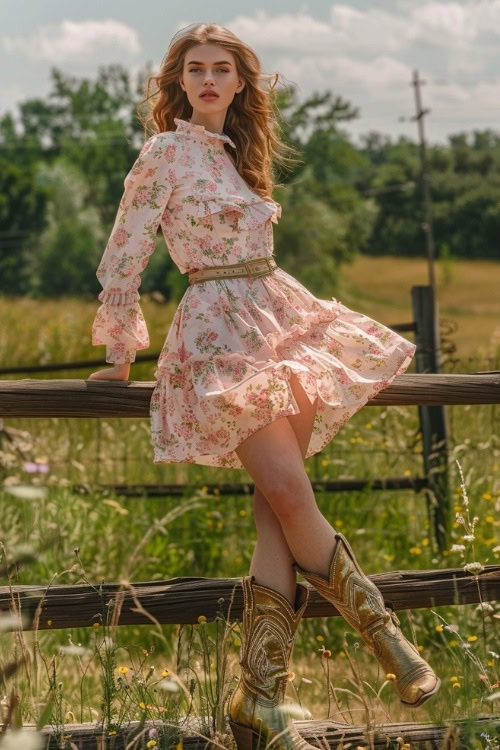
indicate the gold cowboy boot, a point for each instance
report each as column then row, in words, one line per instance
column 361, row 603
column 256, row 708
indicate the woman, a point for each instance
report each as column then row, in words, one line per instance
column 255, row 373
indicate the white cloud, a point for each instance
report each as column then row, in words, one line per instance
column 447, row 29
column 367, row 55
column 341, row 73
column 70, row 41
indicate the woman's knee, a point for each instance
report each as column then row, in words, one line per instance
column 273, row 459
column 290, row 497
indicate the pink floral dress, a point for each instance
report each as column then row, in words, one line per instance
column 224, row 369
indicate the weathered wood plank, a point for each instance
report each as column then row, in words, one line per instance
column 30, row 397
column 182, row 600
column 457, row 734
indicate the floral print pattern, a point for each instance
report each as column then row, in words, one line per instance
column 224, row 369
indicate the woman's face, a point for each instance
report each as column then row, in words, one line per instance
column 209, row 67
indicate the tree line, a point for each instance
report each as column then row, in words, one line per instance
column 63, row 160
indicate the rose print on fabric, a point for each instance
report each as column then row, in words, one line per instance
column 225, row 366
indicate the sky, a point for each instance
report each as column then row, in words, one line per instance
column 363, row 51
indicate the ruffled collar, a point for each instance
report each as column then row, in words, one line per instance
column 186, row 126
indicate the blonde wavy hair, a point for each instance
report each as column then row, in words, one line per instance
column 252, row 119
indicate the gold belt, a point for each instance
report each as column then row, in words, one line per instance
column 253, row 268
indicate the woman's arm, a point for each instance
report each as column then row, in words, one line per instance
column 119, row 323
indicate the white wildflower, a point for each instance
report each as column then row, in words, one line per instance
column 73, row 650
column 496, row 549
column 469, row 538
column 11, row 621
column 460, row 519
column 474, row 568
column 295, row 711
column 25, row 739
column 457, row 547
column 484, row 607
column 494, row 654
column 167, row 684
column 107, row 642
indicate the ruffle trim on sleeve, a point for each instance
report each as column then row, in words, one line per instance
column 246, row 214
column 118, row 298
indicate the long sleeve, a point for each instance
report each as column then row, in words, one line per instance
column 119, row 322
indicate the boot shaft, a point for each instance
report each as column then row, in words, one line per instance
column 269, row 631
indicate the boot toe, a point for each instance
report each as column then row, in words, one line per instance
column 421, row 690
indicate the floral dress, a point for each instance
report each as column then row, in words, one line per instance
column 224, row 369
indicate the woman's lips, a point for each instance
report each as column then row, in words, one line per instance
column 209, row 96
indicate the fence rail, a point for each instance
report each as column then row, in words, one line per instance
column 181, row 600
column 97, row 398
column 427, row 736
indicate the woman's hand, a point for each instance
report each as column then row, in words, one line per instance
column 117, row 372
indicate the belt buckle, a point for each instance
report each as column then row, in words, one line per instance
column 254, row 274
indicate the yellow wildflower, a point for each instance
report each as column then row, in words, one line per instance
column 390, row 676
column 320, row 637
column 202, row 618
column 456, row 684
column 165, row 673
column 142, row 704
column 472, row 638
column 439, row 628
column 453, row 679
column 123, row 670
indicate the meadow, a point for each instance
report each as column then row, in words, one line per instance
column 116, row 674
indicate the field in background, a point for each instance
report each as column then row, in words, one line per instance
column 468, row 293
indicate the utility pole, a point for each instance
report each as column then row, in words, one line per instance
column 433, row 419
column 427, row 226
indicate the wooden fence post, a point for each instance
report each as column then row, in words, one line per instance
column 433, row 419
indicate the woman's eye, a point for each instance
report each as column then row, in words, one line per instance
column 225, row 70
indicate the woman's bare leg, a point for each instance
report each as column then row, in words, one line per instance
column 272, row 559
column 274, row 457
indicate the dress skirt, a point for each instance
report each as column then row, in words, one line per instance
column 224, row 370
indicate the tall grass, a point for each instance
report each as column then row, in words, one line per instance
column 111, row 674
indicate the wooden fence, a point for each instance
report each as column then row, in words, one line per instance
column 432, row 419
column 182, row 600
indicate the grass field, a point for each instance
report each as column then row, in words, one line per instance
column 106, row 674
column 468, row 294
